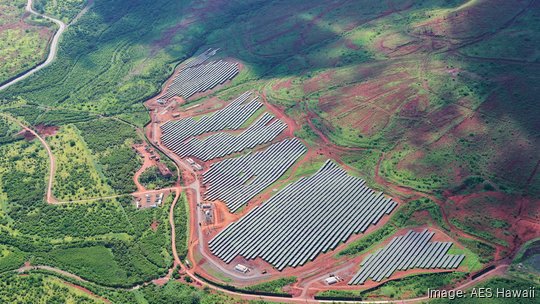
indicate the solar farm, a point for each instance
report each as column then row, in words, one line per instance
column 237, row 180
column 310, row 216
column 198, row 76
column 413, row 250
column 263, row 130
column 180, row 136
column 304, row 222
column 230, row 117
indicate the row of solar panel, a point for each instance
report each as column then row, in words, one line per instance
column 235, row 181
column 201, row 78
column 413, row 250
column 306, row 218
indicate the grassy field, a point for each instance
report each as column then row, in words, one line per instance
column 407, row 287
column 275, row 286
column 23, row 39
column 77, row 175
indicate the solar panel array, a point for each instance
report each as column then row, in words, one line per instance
column 263, row 130
column 200, row 58
column 312, row 215
column 234, row 115
column 413, row 250
column 200, row 78
column 237, row 180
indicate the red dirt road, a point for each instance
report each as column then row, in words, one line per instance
column 52, row 166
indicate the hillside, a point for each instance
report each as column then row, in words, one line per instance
column 433, row 103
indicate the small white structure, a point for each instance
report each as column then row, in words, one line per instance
column 241, row 268
column 331, row 280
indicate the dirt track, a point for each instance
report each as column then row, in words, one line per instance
column 52, row 166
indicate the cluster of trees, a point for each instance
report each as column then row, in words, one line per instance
column 110, row 142
column 38, row 289
column 152, row 178
column 181, row 224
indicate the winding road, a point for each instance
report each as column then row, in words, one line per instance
column 52, row 164
column 53, row 47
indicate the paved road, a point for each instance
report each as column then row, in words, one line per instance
column 53, row 48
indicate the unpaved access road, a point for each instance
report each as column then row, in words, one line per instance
column 52, row 165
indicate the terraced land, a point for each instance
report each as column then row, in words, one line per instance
column 230, row 117
column 433, row 102
column 263, row 130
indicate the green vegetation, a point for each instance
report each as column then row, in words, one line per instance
column 89, row 240
column 508, row 283
column 405, row 216
column 274, row 286
column 152, row 179
column 407, row 287
column 471, row 262
column 10, row 258
column 65, row 10
column 525, row 263
column 8, row 130
column 77, row 175
column 370, row 72
column 365, row 243
column 402, row 218
column 181, row 224
column 38, row 288
column 23, row 39
column 482, row 250
column 110, row 142
column 413, row 286
column 97, row 260
column 50, row 287
column 471, row 223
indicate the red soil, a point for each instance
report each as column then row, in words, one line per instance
column 154, row 226
column 317, row 284
column 86, row 291
column 320, row 81
column 497, row 205
column 286, row 84
column 46, row 130
column 349, row 44
column 28, row 136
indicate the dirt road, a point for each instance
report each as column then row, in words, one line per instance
column 52, row 166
